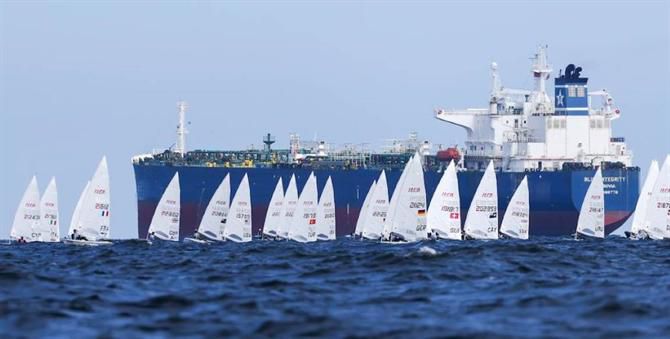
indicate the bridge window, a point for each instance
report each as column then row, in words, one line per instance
column 572, row 91
column 581, row 91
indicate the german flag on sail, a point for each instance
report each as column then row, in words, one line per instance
column 421, row 213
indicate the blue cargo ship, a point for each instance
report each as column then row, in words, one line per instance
column 557, row 142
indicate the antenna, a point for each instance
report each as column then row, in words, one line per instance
column 181, row 129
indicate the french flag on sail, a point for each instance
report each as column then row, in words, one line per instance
column 105, row 213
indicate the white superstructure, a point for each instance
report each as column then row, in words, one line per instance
column 527, row 130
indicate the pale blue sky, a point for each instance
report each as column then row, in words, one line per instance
column 83, row 79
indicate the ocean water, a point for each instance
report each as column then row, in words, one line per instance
column 548, row 287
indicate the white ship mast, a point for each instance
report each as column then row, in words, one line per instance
column 527, row 130
column 180, row 146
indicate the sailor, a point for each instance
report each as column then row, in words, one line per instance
column 73, row 236
column 21, row 240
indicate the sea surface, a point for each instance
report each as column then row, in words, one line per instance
column 546, row 287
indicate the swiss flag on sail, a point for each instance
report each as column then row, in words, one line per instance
column 312, row 221
column 453, row 215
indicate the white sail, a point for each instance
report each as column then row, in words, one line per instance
column 591, row 221
column 482, row 219
column 94, row 212
column 444, row 212
column 325, row 216
column 639, row 219
column 303, row 225
column 74, row 221
column 27, row 218
column 288, row 208
column 165, row 222
column 49, row 218
column 364, row 210
column 273, row 218
column 517, row 216
column 238, row 223
column 388, row 228
column 658, row 209
column 212, row 223
column 377, row 212
column 409, row 216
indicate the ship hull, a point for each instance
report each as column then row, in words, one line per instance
column 555, row 197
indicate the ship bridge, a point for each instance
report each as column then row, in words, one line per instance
column 524, row 130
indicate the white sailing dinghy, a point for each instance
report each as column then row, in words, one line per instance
column 658, row 209
column 273, row 217
column 325, row 214
column 165, row 222
column 387, row 229
column 74, row 221
column 288, row 209
column 375, row 218
column 91, row 219
column 27, row 218
column 591, row 221
column 408, row 223
column 358, row 231
column 238, row 224
column 482, row 220
column 49, row 218
column 638, row 228
column 303, row 225
column 444, row 212
column 516, row 220
column 213, row 221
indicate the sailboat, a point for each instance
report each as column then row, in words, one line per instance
column 482, row 219
column 288, row 209
column 638, row 226
column 591, row 221
column 375, row 217
column 388, row 222
column 27, row 218
column 92, row 216
column 74, row 221
column 444, row 213
column 273, row 218
column 658, row 209
column 165, row 222
column 237, row 227
column 303, row 225
column 49, row 220
column 408, row 222
column 325, row 214
column 517, row 216
column 358, row 231
column 212, row 223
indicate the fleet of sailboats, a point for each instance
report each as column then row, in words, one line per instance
column 308, row 217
